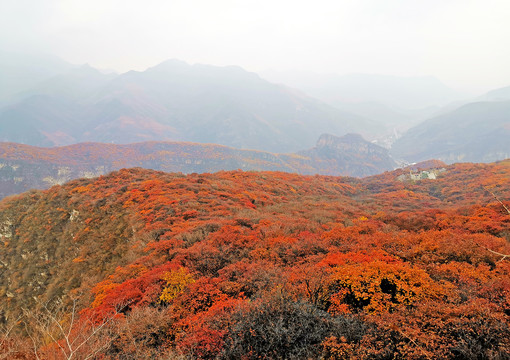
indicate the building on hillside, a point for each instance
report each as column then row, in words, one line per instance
column 430, row 174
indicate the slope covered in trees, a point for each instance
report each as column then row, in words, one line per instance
column 264, row 265
column 24, row 167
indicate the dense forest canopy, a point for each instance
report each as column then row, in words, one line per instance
column 145, row 264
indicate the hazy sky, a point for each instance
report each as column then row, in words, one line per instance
column 464, row 43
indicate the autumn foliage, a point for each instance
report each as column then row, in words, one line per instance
column 250, row 265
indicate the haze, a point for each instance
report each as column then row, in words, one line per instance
column 463, row 43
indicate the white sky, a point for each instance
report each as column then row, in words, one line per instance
column 465, row 43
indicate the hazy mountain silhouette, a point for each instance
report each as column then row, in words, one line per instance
column 78, row 83
column 20, row 72
column 174, row 101
column 476, row 132
column 501, row 94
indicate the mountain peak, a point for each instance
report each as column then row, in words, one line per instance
column 353, row 153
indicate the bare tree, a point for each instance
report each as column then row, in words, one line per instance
column 498, row 200
column 58, row 334
column 503, row 256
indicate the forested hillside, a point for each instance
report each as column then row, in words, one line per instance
column 257, row 265
column 25, row 167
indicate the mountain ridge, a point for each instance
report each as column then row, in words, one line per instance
column 23, row 167
column 474, row 132
column 178, row 102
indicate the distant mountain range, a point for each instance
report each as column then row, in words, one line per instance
column 173, row 101
column 476, row 132
column 423, row 118
column 394, row 102
column 23, row 167
column 47, row 102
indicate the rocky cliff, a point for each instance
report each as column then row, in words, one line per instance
column 351, row 153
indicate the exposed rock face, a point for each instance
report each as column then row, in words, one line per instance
column 6, row 230
column 24, row 167
column 351, row 153
column 349, row 143
column 17, row 176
